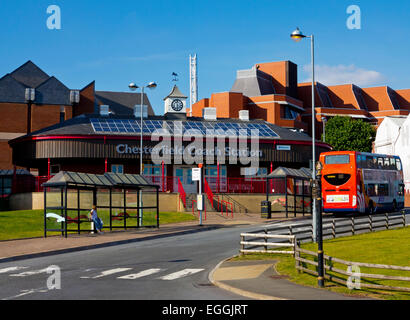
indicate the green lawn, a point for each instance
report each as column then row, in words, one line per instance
column 384, row 247
column 30, row 223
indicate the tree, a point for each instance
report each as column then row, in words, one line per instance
column 347, row 134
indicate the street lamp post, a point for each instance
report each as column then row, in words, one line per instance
column 133, row 87
column 320, row 254
column 297, row 36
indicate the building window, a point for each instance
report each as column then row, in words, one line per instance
column 117, row 168
column 62, row 114
column 260, row 175
column 212, row 171
column 154, row 170
column 288, row 113
column 5, row 185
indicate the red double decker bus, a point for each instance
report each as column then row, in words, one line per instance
column 361, row 182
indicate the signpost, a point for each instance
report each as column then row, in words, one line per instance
column 197, row 176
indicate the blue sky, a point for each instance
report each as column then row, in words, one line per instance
column 117, row 42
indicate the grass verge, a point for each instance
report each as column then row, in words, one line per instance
column 30, row 223
column 390, row 247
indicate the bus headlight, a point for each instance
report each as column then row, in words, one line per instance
column 354, row 201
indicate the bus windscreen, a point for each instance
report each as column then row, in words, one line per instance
column 337, row 159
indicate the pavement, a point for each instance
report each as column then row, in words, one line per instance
column 252, row 279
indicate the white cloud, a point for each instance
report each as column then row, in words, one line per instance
column 342, row 74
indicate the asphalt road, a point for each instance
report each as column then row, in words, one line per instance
column 168, row 268
column 173, row 268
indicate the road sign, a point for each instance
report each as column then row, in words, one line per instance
column 196, row 174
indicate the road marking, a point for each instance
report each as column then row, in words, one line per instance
column 108, row 273
column 26, row 292
column 180, row 274
column 29, row 273
column 141, row 274
column 5, row 270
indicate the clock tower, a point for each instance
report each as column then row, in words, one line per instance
column 175, row 102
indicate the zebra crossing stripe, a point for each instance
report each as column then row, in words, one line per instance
column 10, row 269
column 180, row 274
column 108, row 273
column 141, row 274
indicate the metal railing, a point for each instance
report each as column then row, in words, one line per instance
column 182, row 193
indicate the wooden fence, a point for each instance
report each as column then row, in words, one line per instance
column 334, row 228
column 336, row 274
column 265, row 244
column 297, row 233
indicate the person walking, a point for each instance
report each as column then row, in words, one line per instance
column 98, row 224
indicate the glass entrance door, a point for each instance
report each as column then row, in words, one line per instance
column 185, row 175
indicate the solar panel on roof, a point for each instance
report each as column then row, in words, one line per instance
column 190, row 127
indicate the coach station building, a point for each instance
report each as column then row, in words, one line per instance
column 239, row 148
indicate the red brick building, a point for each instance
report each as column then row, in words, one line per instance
column 271, row 92
column 31, row 100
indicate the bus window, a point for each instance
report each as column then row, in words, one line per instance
column 369, row 162
column 398, row 164
column 337, row 159
column 359, row 161
column 392, row 164
column 380, row 163
column 386, row 163
column 383, row 189
column 401, row 190
column 371, row 190
column 337, row 179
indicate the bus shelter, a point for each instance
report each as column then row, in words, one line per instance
column 289, row 191
column 122, row 201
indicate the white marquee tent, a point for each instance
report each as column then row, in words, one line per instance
column 393, row 137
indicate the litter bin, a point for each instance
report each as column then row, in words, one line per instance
column 266, row 210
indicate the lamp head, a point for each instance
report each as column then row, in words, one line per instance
column 152, row 85
column 297, row 35
column 133, row 86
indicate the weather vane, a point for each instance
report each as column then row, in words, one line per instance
column 175, row 76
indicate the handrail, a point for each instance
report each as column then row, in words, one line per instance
column 182, row 193
column 235, row 202
column 226, row 207
column 192, row 204
column 210, row 194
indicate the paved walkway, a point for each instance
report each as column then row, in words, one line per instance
column 26, row 248
column 258, row 279
column 253, row 279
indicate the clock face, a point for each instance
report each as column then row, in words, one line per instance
column 177, row 105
